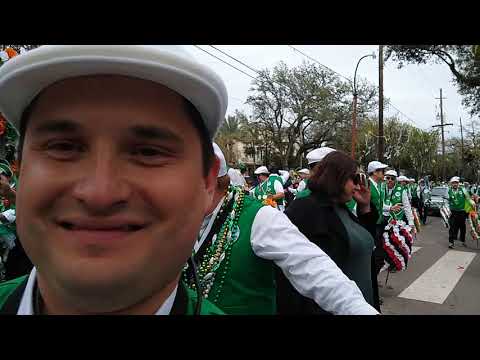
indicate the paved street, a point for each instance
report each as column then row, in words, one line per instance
column 438, row 280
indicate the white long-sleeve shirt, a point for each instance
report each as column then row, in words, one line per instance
column 406, row 206
column 301, row 186
column 311, row 272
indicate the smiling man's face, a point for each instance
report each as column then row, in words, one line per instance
column 112, row 191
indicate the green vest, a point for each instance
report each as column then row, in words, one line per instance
column 395, row 198
column 456, row 200
column 248, row 287
column 266, row 188
column 8, row 287
column 377, row 197
column 414, row 188
column 7, row 229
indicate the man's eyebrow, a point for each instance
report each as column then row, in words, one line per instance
column 155, row 133
column 56, row 126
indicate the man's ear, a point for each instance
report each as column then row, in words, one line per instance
column 211, row 178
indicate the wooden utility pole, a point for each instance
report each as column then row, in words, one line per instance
column 381, row 139
column 461, row 137
column 442, row 125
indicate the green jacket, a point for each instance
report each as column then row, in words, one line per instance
column 185, row 301
column 456, row 200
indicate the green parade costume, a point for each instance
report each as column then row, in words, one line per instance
column 395, row 198
column 456, row 199
column 231, row 275
column 267, row 188
column 378, row 198
column 185, row 301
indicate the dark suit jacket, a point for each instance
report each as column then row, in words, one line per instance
column 316, row 219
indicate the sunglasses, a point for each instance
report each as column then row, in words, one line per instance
column 357, row 178
column 389, row 178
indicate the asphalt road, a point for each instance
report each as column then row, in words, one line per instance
column 438, row 281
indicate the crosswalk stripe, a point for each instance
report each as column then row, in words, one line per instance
column 437, row 282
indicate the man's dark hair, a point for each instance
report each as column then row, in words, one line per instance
column 330, row 175
column 207, row 148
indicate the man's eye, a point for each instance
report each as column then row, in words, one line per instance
column 63, row 146
column 147, row 151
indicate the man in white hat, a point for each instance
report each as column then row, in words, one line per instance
column 110, row 140
column 269, row 186
column 396, row 203
column 241, row 245
column 376, row 171
column 313, row 158
column 456, row 199
column 302, row 185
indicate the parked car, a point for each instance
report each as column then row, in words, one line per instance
column 438, row 198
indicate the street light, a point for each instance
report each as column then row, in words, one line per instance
column 354, row 116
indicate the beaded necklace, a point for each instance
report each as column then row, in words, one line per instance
column 220, row 249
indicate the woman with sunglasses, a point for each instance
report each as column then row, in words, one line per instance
column 324, row 218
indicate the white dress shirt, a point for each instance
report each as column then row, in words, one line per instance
column 26, row 304
column 311, row 272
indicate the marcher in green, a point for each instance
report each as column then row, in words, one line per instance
column 456, row 200
column 243, row 243
column 376, row 171
column 269, row 186
column 397, row 205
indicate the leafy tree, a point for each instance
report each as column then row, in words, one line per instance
column 462, row 60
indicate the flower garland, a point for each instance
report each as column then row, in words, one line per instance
column 220, row 248
column 397, row 243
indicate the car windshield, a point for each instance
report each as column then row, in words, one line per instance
column 439, row 192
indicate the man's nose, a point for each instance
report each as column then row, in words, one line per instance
column 103, row 187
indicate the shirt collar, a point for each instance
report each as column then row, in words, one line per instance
column 26, row 304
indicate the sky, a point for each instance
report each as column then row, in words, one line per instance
column 412, row 89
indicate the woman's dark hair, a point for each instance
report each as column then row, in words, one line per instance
column 330, row 175
column 208, row 154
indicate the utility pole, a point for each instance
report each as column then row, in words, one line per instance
column 461, row 137
column 442, row 125
column 380, row 105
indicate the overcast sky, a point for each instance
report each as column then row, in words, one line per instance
column 412, row 89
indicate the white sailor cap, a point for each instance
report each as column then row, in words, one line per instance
column 402, row 178
column 391, row 173
column 375, row 165
column 304, row 171
column 455, row 179
column 317, row 155
column 223, row 164
column 26, row 75
column 261, row 170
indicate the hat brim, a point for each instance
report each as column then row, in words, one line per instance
column 40, row 68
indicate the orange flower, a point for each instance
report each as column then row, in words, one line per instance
column 11, row 52
column 270, row 202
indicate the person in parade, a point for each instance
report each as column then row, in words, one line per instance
column 456, row 201
column 236, row 177
column 302, row 185
column 422, row 196
column 241, row 245
column 325, row 220
column 396, row 203
column 270, row 186
column 98, row 126
column 313, row 158
column 376, row 172
column 13, row 260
